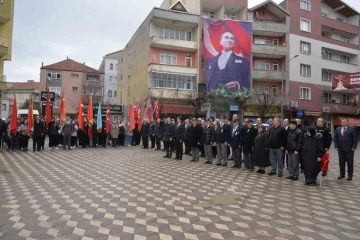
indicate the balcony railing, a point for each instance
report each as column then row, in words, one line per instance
column 270, row 49
column 340, row 41
column 3, row 42
column 268, row 74
column 325, row 58
column 269, row 26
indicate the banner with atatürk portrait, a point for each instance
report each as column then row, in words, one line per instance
column 227, row 49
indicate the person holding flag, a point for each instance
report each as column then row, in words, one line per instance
column 13, row 126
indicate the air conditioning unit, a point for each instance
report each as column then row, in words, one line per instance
column 326, row 109
column 293, row 104
column 357, row 111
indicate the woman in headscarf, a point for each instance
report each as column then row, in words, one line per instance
column 311, row 153
column 260, row 152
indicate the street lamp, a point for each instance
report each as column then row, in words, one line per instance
column 282, row 85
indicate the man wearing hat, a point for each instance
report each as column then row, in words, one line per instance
column 236, row 143
column 221, row 138
column 293, row 146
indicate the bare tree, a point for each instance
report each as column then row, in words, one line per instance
column 265, row 105
column 94, row 87
column 198, row 99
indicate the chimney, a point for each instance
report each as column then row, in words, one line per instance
column 42, row 64
column 31, row 81
column 84, row 63
column 67, row 57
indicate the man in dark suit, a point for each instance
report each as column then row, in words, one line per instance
column 221, row 138
column 168, row 137
column 326, row 136
column 179, row 138
column 186, row 137
column 236, row 140
column 249, row 138
column 345, row 140
column 145, row 133
column 227, row 67
column 38, row 132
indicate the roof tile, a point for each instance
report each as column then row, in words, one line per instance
column 71, row 65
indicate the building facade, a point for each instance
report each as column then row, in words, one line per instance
column 72, row 78
column 109, row 66
column 6, row 32
column 23, row 92
column 325, row 35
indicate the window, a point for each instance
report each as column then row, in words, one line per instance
column 274, row 90
column 305, row 5
column 305, row 93
column 208, row 14
column 188, row 60
column 275, row 42
column 74, row 89
column 177, row 34
column 305, row 47
column 56, row 104
column 92, row 77
column 230, row 15
column 264, row 41
column 110, row 93
column 173, row 80
column 3, row 107
column 168, row 58
column 129, row 72
column 115, row 93
column 111, row 79
column 259, row 89
column 21, row 96
column 344, row 59
column 326, row 55
column 262, row 65
column 111, row 66
column 57, row 90
column 305, row 25
column 305, row 70
column 339, row 19
column 326, row 76
column 345, row 98
column 54, row 74
column 344, row 38
column 326, row 97
column 275, row 66
column 74, row 75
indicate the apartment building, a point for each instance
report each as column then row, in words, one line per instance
column 325, row 35
column 6, row 32
column 73, row 78
column 109, row 66
column 23, row 92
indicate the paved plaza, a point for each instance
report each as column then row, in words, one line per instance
column 132, row 193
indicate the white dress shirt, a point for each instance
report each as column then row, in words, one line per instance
column 223, row 59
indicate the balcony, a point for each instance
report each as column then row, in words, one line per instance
column 343, row 26
column 5, row 11
column 168, row 93
column 173, row 44
column 268, row 74
column 268, row 26
column 3, row 47
column 3, row 83
column 339, row 66
column 180, row 19
column 172, row 69
column 264, row 50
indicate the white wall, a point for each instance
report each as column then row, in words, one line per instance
column 316, row 61
column 110, row 80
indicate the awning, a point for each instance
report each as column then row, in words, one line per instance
column 352, row 121
column 177, row 109
column 315, row 114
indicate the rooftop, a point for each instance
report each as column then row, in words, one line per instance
column 24, row 85
column 71, row 65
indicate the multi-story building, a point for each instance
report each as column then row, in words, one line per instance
column 163, row 58
column 6, row 32
column 72, row 78
column 325, row 35
column 109, row 66
column 23, row 92
column 270, row 49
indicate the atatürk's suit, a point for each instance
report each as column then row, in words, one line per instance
column 237, row 69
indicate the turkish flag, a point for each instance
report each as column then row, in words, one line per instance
column 81, row 113
column 13, row 121
column 148, row 110
column 62, row 109
column 132, row 116
column 90, row 114
column 108, row 119
column 30, row 117
column 48, row 109
column 139, row 118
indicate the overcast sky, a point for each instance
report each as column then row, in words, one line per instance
column 84, row 30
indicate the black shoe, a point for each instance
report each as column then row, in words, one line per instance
column 279, row 174
column 349, row 178
column 176, row 158
column 208, row 162
column 235, row 166
column 39, row 150
column 193, row 160
column 224, row 165
column 289, row 177
column 258, row 171
column 218, row 164
column 302, row 171
column 251, row 169
column 166, row 156
column 340, row 177
column 271, row 173
column 180, row 158
column 324, row 174
column 295, row 178
column 262, row 172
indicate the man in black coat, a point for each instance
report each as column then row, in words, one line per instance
column 2, row 131
column 38, row 132
column 186, row 137
column 277, row 143
column 221, row 138
column 179, row 138
column 195, row 135
column 208, row 137
column 303, row 130
column 250, row 134
column 326, row 136
column 345, row 140
column 295, row 139
column 168, row 137
column 157, row 133
column 145, row 133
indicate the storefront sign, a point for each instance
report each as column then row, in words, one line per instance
column 44, row 96
column 234, row 108
column 300, row 113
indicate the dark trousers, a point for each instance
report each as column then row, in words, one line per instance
column 114, row 142
column 158, row 143
column 187, row 147
column 37, row 142
column 145, row 141
column 179, row 149
column 236, row 154
column 152, row 140
column 348, row 158
column 73, row 141
column 43, row 141
column 1, row 140
column 61, row 139
column 168, row 148
column 24, row 142
column 12, row 145
column 121, row 139
column 67, row 140
column 214, row 150
column 53, row 141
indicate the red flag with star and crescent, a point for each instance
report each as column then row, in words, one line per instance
column 108, row 119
